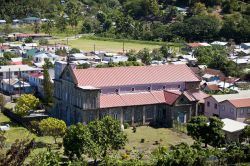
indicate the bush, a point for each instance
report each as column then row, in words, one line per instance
column 142, row 140
column 134, row 129
column 126, row 125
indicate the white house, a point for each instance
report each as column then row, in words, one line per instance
column 39, row 58
column 13, row 71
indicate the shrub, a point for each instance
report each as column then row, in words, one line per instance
column 126, row 125
column 142, row 140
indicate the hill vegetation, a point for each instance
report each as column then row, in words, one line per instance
column 153, row 20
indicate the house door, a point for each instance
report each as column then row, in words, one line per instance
column 181, row 117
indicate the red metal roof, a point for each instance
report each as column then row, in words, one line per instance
column 30, row 35
column 136, row 75
column 148, row 98
column 194, row 45
column 240, row 103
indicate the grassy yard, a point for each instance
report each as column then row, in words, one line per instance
column 164, row 137
column 109, row 46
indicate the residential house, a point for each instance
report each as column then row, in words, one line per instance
column 219, row 43
column 53, row 47
column 2, row 22
column 14, row 71
column 22, row 36
column 245, row 46
column 36, row 81
column 236, row 109
column 135, row 95
column 31, row 20
column 232, row 129
column 15, row 86
column 228, row 105
column 39, row 58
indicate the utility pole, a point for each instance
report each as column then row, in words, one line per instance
column 9, row 87
column 123, row 47
column 19, row 76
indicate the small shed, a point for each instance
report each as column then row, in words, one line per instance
column 232, row 129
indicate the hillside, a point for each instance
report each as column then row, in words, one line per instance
column 155, row 20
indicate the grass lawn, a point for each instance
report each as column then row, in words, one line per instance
column 101, row 45
column 164, row 136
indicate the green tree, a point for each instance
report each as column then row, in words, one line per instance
column 53, row 127
column 95, row 140
column 25, row 104
column 2, row 40
column 77, row 141
column 48, row 26
column 208, row 131
column 107, row 134
column 43, row 41
column 9, row 55
column 73, row 9
column 28, row 40
column 47, row 84
column 61, row 23
column 156, row 54
column 145, row 56
column 245, row 134
column 2, row 101
column 199, row 9
column 48, row 158
column 74, row 50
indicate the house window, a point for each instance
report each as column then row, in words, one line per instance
column 164, row 87
column 222, row 108
column 149, row 88
column 116, row 90
column 179, row 86
column 208, row 104
column 241, row 111
column 133, row 89
column 232, row 110
column 215, row 106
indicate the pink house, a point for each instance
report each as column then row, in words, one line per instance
column 235, row 106
column 236, row 109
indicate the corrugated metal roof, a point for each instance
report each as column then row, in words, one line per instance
column 136, row 75
column 240, row 103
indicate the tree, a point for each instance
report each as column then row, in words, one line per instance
column 61, row 52
column 48, row 26
column 2, row 101
column 61, row 23
column 48, row 158
column 77, row 141
column 25, row 104
column 53, row 127
column 107, row 134
column 9, row 55
column 18, row 152
column 74, row 50
column 199, row 9
column 197, row 28
column 28, row 40
column 145, row 57
column 2, row 40
column 208, row 131
column 96, row 139
column 43, row 41
column 245, row 134
column 73, row 9
column 156, row 55
column 47, row 84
